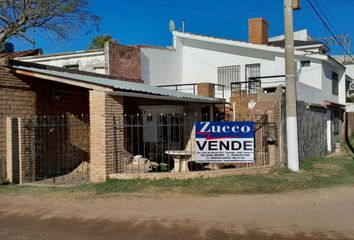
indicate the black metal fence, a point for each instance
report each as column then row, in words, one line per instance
column 218, row 89
column 247, row 87
column 158, row 142
column 55, row 149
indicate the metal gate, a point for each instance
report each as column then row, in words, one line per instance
column 148, row 138
column 55, row 149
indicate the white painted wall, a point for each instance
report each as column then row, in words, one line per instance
column 327, row 83
column 309, row 94
column 90, row 61
column 160, row 66
column 311, row 75
column 150, row 127
column 201, row 61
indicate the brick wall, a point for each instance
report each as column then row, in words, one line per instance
column 22, row 96
column 242, row 101
column 104, row 157
column 206, row 89
column 257, row 31
column 114, row 135
column 17, row 98
column 58, row 99
column 124, row 61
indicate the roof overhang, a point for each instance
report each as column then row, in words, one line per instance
column 260, row 47
column 103, row 83
column 61, row 80
column 330, row 104
column 160, row 97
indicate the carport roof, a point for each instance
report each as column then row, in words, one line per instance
column 108, row 83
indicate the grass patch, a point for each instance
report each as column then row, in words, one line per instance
column 314, row 173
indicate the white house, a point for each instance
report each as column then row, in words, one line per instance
column 196, row 58
column 192, row 59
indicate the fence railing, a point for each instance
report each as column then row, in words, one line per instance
column 192, row 88
column 247, row 87
column 55, row 148
column 255, row 83
column 155, row 143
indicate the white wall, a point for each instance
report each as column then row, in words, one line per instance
column 201, row 61
column 150, row 127
column 87, row 61
column 327, row 83
column 311, row 75
column 160, row 66
column 195, row 61
column 309, row 94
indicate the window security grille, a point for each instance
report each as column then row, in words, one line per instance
column 228, row 74
column 253, row 70
column 334, row 83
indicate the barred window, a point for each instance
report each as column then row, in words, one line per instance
column 334, row 83
column 253, row 70
column 228, row 75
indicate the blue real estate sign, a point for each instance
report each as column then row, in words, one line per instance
column 224, row 142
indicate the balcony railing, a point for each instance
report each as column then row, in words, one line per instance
column 255, row 83
column 214, row 90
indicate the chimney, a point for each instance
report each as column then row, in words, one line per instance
column 258, row 31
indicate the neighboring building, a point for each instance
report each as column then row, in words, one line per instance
column 115, row 60
column 349, row 72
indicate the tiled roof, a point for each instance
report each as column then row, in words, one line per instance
column 21, row 54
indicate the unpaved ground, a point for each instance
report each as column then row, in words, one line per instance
column 318, row 214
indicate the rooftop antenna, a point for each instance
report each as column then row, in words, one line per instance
column 183, row 25
column 172, row 25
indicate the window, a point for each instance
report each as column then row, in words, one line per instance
column 334, row 83
column 228, row 75
column 305, row 63
column 252, row 71
column 72, row 66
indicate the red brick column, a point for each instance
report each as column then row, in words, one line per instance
column 102, row 110
column 206, row 89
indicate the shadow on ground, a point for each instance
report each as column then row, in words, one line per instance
column 34, row 227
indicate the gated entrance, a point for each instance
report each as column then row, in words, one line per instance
column 50, row 149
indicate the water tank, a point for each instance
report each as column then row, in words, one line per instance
column 9, row 47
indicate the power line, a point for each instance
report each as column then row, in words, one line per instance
column 329, row 29
column 324, row 15
column 183, row 8
column 160, row 5
column 331, row 16
column 235, row 17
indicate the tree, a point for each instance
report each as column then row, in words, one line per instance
column 98, row 42
column 58, row 18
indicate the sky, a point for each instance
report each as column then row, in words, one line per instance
column 146, row 22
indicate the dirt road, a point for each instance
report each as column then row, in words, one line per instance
column 318, row 214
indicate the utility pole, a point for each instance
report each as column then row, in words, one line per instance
column 291, row 112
